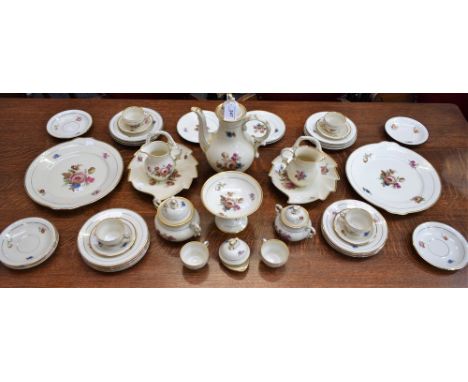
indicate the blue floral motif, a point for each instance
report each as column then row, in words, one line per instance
column 366, row 190
column 450, row 261
column 230, row 134
column 55, row 156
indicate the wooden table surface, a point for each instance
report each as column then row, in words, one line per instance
column 312, row 263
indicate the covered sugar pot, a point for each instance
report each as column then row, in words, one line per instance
column 176, row 219
column 293, row 223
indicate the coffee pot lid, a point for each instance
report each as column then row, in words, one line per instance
column 175, row 211
column 234, row 251
column 295, row 216
column 230, row 110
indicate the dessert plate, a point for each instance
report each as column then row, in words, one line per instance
column 115, row 250
column 187, row 126
column 406, row 130
column 182, row 177
column 441, row 246
column 370, row 248
column 27, row 243
column 69, row 124
column 310, row 128
column 74, row 174
column 319, row 188
column 393, row 177
column 135, row 139
column 120, row 262
column 257, row 130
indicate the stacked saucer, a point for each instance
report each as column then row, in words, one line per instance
column 131, row 126
column 113, row 240
column 354, row 228
column 27, row 243
column 334, row 130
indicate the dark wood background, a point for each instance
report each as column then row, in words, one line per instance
column 312, row 263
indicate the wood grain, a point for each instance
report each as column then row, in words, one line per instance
column 312, row 263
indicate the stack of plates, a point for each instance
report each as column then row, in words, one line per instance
column 326, row 142
column 27, row 243
column 376, row 240
column 137, row 139
column 115, row 258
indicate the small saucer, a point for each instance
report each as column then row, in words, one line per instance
column 237, row 268
column 148, row 122
column 278, row 127
column 406, row 130
column 27, row 243
column 344, row 133
column 187, row 126
column 69, row 124
column 338, row 227
column 441, row 246
column 118, row 249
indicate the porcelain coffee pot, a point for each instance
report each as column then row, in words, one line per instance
column 230, row 148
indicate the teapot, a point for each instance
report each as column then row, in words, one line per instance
column 230, row 148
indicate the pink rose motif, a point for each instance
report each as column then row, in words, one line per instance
column 89, row 179
column 229, row 204
column 78, row 177
column 389, row 179
column 164, row 171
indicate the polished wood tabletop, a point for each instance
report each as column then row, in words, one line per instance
column 312, row 263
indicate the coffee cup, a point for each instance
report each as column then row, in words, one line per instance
column 357, row 221
column 110, row 232
column 334, row 123
column 133, row 116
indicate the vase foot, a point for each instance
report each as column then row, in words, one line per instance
column 231, row 225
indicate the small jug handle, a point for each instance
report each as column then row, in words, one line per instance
column 313, row 140
column 175, row 151
column 258, row 141
column 196, row 229
column 278, row 208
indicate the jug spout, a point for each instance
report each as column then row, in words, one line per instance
column 203, row 134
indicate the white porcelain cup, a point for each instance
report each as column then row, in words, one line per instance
column 110, row 232
column 133, row 116
column 357, row 221
column 334, row 122
column 274, row 253
column 194, row 255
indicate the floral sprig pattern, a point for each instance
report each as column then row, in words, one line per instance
column 75, row 177
column 230, row 202
column 388, row 178
column 170, row 181
column 161, row 171
column 227, row 162
column 300, row 175
column 418, row 199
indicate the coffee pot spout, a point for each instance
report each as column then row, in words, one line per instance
column 203, row 134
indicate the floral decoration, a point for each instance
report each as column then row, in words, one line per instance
column 367, row 190
column 55, row 156
column 170, row 181
column 324, row 170
column 95, row 192
column 422, row 244
column 444, row 237
column 42, row 192
column 78, row 118
column 450, row 261
column 417, row 199
column 29, row 257
column 285, row 182
column 252, row 196
column 227, row 162
column 230, row 134
column 413, row 164
column 42, row 229
column 366, row 157
column 160, row 171
column 75, row 177
column 394, row 126
column 260, row 128
column 105, row 155
column 300, row 175
column 284, row 235
column 230, row 202
column 165, row 236
column 389, row 178
column 219, row 186
column 416, row 130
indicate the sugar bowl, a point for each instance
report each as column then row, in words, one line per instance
column 234, row 254
column 293, row 223
column 177, row 219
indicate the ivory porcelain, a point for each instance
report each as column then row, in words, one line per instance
column 181, row 178
column 354, row 225
column 188, row 125
column 441, row 245
column 112, row 237
column 393, row 177
column 333, row 125
column 135, row 137
column 111, row 261
column 69, row 124
column 322, row 182
column 234, row 253
column 194, row 255
column 27, row 243
column 327, row 141
column 292, row 223
column 74, row 174
column 274, row 253
column 257, row 129
column 230, row 148
column 370, row 248
column 231, row 196
column 177, row 220
column 406, row 130
column 160, row 157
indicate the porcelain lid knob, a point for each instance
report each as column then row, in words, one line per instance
column 295, row 216
column 175, row 211
column 234, row 251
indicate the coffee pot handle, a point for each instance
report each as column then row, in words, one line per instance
column 176, row 152
column 258, row 141
column 313, row 140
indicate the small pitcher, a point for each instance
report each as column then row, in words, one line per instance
column 302, row 164
column 161, row 157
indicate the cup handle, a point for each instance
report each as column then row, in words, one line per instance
column 196, row 229
column 258, row 141
column 313, row 140
column 278, row 208
column 312, row 231
column 156, row 202
column 206, row 243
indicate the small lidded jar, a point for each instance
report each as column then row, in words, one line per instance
column 234, row 252
column 177, row 220
column 293, row 223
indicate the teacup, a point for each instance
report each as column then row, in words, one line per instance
column 110, row 232
column 274, row 253
column 194, row 255
column 334, row 123
column 357, row 221
column 133, row 116
column 161, row 157
column 302, row 165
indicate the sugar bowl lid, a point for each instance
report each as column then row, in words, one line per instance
column 175, row 211
column 234, row 251
column 293, row 216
